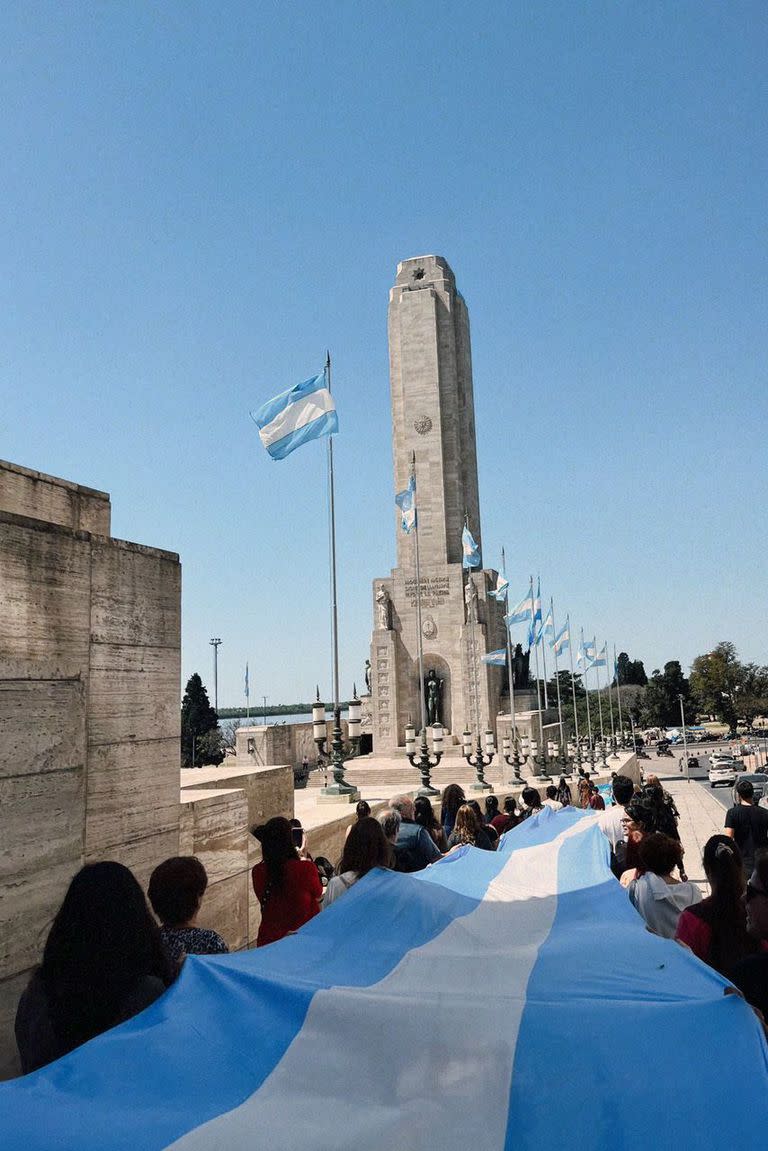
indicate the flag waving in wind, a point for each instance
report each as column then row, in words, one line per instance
column 406, row 501
column 502, row 586
column 533, row 636
column 523, row 610
column 600, row 659
column 563, row 641
column 470, row 550
column 291, row 419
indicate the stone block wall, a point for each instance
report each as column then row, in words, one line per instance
column 89, row 709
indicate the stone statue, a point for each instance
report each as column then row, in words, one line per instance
column 433, row 690
column 470, row 599
column 384, row 622
column 520, row 662
column 368, row 676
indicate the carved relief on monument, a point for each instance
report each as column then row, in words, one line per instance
column 428, row 627
column 422, row 426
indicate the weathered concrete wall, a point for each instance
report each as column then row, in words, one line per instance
column 89, row 709
column 55, row 501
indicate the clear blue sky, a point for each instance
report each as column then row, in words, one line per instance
column 197, row 199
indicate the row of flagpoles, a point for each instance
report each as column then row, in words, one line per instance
column 307, row 412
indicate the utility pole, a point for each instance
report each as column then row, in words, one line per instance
column 215, row 644
column 265, row 709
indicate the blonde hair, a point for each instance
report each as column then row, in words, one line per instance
column 465, row 827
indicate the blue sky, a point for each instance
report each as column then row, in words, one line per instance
column 196, row 200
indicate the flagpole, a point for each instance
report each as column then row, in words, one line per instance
column 610, row 698
column 339, row 786
column 418, row 607
column 544, row 661
column 510, row 668
column 599, row 696
column 573, row 690
column 586, row 685
column 618, row 693
column 536, row 660
column 557, row 676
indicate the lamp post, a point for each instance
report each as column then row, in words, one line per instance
column 685, row 740
column 478, row 760
column 525, row 748
column 215, row 645
column 339, row 788
column 513, row 760
column 423, row 762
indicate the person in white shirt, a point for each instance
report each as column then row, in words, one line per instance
column 611, row 819
column 658, row 897
column 552, row 800
column 366, row 847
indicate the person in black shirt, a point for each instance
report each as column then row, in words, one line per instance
column 747, row 824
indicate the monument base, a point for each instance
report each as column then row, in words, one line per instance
column 333, row 794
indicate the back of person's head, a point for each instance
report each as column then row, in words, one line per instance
column 551, row 792
column 654, row 782
column 453, row 797
column 491, row 807
column 510, row 805
column 467, row 824
column 641, row 812
column 477, row 810
column 277, row 846
column 659, row 853
column 363, row 808
column 531, row 797
column 745, row 790
column 176, row 888
column 102, row 942
column 365, row 847
column 623, row 789
column 390, row 820
column 422, row 811
column 723, row 869
column 403, row 804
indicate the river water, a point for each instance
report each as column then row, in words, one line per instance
column 256, row 718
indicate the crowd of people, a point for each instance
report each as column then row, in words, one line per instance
column 107, row 958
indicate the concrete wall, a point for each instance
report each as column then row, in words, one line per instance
column 89, row 709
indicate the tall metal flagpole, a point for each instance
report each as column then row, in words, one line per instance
column 573, row 689
column 544, row 661
column 536, row 659
column 418, row 603
column 618, row 694
column 610, row 697
column 340, row 786
column 557, row 675
column 599, row 696
column 510, row 667
column 586, row 685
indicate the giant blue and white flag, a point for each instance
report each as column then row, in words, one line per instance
column 412, row 1001
column 291, row 419
column 470, row 550
column 406, row 501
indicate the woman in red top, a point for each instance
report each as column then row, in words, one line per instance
column 288, row 888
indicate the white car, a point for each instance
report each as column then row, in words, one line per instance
column 722, row 769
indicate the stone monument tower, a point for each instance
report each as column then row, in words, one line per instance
column 433, row 416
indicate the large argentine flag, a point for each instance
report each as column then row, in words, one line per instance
column 499, row 1000
column 291, row 419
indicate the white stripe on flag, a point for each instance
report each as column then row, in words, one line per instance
column 364, row 1047
column 297, row 415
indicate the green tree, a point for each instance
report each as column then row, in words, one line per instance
column 662, row 697
column 727, row 688
column 631, row 671
column 201, row 740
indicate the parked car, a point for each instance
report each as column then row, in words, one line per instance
column 722, row 769
column 759, row 782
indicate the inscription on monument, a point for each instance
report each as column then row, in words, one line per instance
column 435, row 591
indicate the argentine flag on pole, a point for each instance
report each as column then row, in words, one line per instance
column 523, row 610
column 534, row 638
column 291, row 419
column 406, row 501
column 496, row 658
column 601, row 658
column 470, row 550
column 563, row 640
column 500, row 591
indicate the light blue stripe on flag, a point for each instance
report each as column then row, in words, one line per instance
column 496, row 658
column 291, row 419
column 523, row 610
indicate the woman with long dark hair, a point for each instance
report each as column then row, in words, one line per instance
column 468, row 830
column 287, row 887
column 104, row 962
column 365, row 847
column 424, row 814
column 453, row 797
column 716, row 928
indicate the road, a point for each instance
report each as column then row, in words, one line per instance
column 670, row 766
